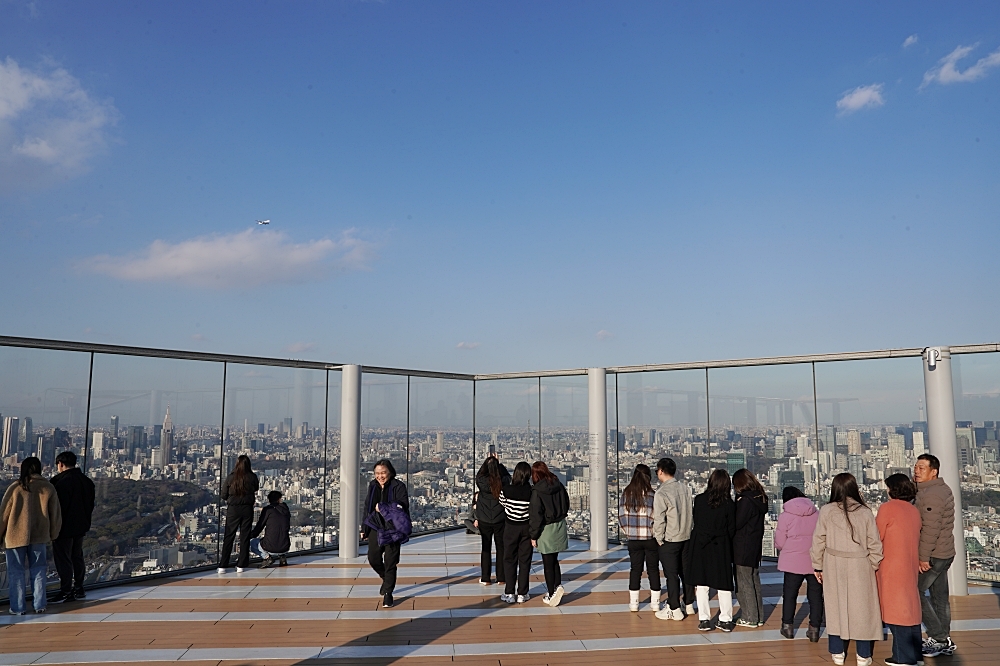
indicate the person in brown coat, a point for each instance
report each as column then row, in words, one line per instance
column 31, row 518
column 936, row 504
column 899, row 528
column 846, row 552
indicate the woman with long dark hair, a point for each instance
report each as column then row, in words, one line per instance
column 516, row 500
column 386, row 525
column 712, row 550
column 547, row 527
column 32, row 518
column 748, row 546
column 239, row 491
column 899, row 524
column 635, row 515
column 846, row 552
column 490, row 480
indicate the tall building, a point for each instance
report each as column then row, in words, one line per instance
column 61, row 440
column 856, row 466
column 260, row 428
column 27, row 437
column 735, row 461
column 97, row 445
column 44, row 450
column 919, row 446
column 135, row 437
column 114, row 427
column 828, row 438
column 794, row 478
column 854, row 443
column 897, row 450
column 11, row 430
column 167, row 439
column 439, row 447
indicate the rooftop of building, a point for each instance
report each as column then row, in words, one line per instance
column 322, row 609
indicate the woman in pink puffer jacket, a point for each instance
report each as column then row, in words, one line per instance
column 793, row 537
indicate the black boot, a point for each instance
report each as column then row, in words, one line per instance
column 787, row 630
column 387, row 600
column 812, row 633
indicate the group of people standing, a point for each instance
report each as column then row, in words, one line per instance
column 864, row 573
column 37, row 512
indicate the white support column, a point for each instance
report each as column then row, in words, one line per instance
column 598, row 411
column 350, row 455
column 942, row 442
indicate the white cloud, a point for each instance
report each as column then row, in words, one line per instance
column 467, row 345
column 910, row 41
column 603, row 335
column 862, row 97
column 299, row 347
column 946, row 71
column 50, row 127
column 238, row 260
column 198, row 337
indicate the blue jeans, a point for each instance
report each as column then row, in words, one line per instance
column 839, row 646
column 255, row 547
column 936, row 608
column 30, row 560
column 906, row 644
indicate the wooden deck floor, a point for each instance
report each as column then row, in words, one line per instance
column 323, row 610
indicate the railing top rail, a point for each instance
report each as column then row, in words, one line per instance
column 152, row 352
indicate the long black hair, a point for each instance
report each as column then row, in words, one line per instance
column 718, row 488
column 522, row 474
column 29, row 467
column 845, row 487
column 635, row 493
column 491, row 470
column 385, row 462
column 240, row 484
column 744, row 480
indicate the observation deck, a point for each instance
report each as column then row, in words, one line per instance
column 322, row 609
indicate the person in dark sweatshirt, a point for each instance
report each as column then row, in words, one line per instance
column 748, row 546
column 489, row 520
column 76, row 499
column 515, row 497
column 387, row 499
column 274, row 522
column 239, row 490
column 547, row 527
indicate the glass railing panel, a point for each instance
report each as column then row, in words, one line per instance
column 276, row 416
column 43, row 412
column 332, row 475
column 763, row 420
column 566, row 444
column 383, row 430
column 507, row 418
column 662, row 414
column 976, row 380
column 443, row 463
column 154, row 457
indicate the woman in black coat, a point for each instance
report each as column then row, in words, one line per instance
column 490, row 480
column 239, row 490
column 748, row 546
column 711, row 564
column 384, row 489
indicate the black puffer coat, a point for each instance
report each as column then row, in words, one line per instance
column 549, row 504
column 488, row 509
column 748, row 543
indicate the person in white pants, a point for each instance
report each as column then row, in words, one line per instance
column 712, row 550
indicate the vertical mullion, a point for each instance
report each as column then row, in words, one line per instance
column 326, row 471
column 222, row 457
column 86, row 427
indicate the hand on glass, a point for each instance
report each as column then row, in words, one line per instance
column 925, row 567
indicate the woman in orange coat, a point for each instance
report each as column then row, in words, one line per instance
column 898, row 524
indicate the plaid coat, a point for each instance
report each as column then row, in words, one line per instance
column 637, row 525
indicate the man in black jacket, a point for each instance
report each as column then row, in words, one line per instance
column 76, row 499
column 274, row 522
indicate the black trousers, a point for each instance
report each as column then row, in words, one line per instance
column 675, row 557
column 494, row 532
column 68, row 555
column 553, row 574
column 516, row 557
column 384, row 560
column 238, row 518
column 644, row 553
column 790, row 593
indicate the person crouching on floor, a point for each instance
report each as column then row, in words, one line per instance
column 274, row 522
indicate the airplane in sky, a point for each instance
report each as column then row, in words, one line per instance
column 263, row 221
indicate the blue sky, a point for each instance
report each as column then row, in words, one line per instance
column 501, row 186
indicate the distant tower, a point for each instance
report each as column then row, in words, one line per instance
column 11, row 430
column 167, row 438
column 921, row 416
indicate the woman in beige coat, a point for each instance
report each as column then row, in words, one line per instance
column 846, row 552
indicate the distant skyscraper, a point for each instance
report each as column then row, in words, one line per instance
column 135, row 437
column 61, row 440
column 27, row 437
column 897, row 450
column 794, row 478
column 856, row 466
column 11, row 431
column 167, row 439
column 288, row 426
column 260, row 428
column 97, row 446
column 44, row 450
column 853, row 443
column 919, row 447
column 735, row 461
column 114, row 427
column 828, row 438
column 439, row 447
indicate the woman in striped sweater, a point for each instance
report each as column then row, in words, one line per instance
column 515, row 498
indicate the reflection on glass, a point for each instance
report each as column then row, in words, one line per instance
column 276, row 417
column 566, row 444
column 383, row 429
column 762, row 420
column 154, row 457
column 442, row 465
column 332, row 475
column 507, row 418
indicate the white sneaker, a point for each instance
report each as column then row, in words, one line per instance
column 557, row 596
column 509, row 598
column 483, row 582
column 864, row 661
column 521, row 598
column 678, row 614
column 838, row 658
column 546, row 599
column 665, row 614
column 690, row 610
column 633, row 600
column 221, row 570
column 240, row 569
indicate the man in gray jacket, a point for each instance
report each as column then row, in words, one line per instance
column 937, row 551
column 672, row 517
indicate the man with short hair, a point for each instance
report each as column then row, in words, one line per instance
column 936, row 503
column 275, row 520
column 76, row 499
column 672, row 522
